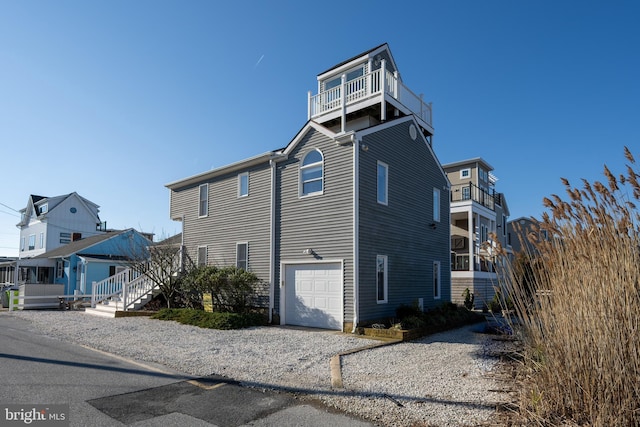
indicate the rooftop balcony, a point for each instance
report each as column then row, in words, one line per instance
column 474, row 193
column 378, row 87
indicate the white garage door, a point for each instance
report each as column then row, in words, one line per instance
column 313, row 295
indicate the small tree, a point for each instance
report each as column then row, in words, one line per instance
column 164, row 263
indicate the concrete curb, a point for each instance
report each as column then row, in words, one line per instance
column 336, row 361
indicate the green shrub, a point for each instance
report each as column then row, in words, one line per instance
column 413, row 322
column 468, row 299
column 232, row 289
column 215, row 320
column 403, row 311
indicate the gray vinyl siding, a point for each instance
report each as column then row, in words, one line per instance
column 401, row 230
column 323, row 222
column 231, row 220
column 483, row 290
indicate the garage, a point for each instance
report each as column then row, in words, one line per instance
column 313, row 295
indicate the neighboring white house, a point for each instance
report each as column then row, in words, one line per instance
column 49, row 222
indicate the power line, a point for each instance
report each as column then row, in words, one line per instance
column 9, row 213
column 9, row 207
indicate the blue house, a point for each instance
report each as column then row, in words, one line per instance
column 77, row 264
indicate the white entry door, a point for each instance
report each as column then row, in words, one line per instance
column 313, row 295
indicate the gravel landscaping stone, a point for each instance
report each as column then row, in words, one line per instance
column 441, row 380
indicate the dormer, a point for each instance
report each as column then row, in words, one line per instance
column 364, row 91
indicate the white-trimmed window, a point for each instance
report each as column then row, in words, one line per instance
column 44, row 208
column 504, row 225
column 383, row 183
column 203, row 200
column 243, row 184
column 382, row 271
column 32, row 242
column 202, row 256
column 436, row 204
column 312, row 173
column 465, row 173
column 41, row 240
column 242, row 255
column 436, row 279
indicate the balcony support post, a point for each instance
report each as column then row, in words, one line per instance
column 343, row 103
column 369, row 88
column 383, row 90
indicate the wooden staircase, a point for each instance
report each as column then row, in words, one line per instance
column 128, row 290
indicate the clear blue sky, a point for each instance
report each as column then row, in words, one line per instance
column 115, row 99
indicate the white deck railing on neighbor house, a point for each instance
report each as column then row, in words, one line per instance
column 370, row 85
column 125, row 289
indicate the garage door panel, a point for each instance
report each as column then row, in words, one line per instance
column 313, row 295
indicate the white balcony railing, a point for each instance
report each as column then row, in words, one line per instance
column 370, row 85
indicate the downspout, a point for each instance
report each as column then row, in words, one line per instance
column 356, row 234
column 272, row 241
column 182, row 250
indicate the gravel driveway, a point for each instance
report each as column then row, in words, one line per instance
column 442, row 380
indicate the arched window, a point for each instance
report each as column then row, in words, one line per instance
column 311, row 173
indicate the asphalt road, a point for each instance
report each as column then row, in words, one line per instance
column 102, row 389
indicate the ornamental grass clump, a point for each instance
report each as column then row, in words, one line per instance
column 576, row 294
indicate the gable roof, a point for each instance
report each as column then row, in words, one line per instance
column 279, row 154
column 233, row 167
column 366, row 54
column 80, row 245
column 174, row 240
column 395, row 122
column 89, row 205
column 35, row 202
column 302, row 132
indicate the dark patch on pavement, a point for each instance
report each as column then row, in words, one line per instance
column 214, row 399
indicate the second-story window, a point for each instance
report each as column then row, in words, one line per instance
column 436, row 204
column 311, row 173
column 243, row 184
column 465, row 173
column 203, row 200
column 32, row 242
column 383, row 183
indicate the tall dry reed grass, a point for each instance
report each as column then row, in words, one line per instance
column 577, row 299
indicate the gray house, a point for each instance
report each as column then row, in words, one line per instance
column 479, row 217
column 347, row 222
